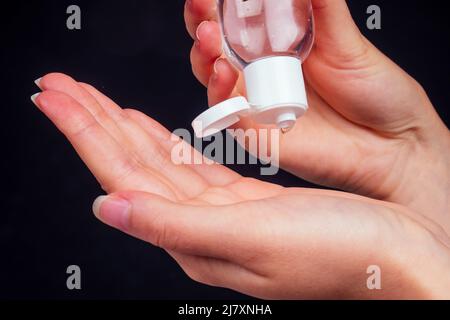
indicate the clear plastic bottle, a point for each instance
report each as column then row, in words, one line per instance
column 268, row 40
column 259, row 29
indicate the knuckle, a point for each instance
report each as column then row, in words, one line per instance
column 100, row 114
column 123, row 116
column 84, row 127
column 86, row 85
column 159, row 235
column 162, row 234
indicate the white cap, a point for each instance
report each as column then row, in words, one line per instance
column 276, row 95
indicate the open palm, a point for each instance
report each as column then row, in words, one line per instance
column 227, row 230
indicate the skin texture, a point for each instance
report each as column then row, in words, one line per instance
column 263, row 239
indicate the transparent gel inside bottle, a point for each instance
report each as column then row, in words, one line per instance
column 269, row 39
column 258, row 29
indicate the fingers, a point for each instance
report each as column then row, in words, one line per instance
column 101, row 153
column 222, row 82
column 209, row 68
column 184, row 181
column 192, row 230
column 110, row 106
column 107, row 155
column 63, row 83
column 206, row 50
column 215, row 174
column 197, row 11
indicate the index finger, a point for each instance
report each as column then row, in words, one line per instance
column 197, row 11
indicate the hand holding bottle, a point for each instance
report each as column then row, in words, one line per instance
column 268, row 40
column 370, row 127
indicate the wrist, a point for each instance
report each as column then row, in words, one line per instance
column 420, row 266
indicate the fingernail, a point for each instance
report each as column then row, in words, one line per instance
column 34, row 97
column 217, row 64
column 216, row 68
column 197, row 33
column 215, row 73
column 38, row 82
column 114, row 212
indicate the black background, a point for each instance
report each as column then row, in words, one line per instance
column 136, row 52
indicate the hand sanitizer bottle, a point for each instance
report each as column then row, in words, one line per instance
column 268, row 40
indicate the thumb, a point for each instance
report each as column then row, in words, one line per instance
column 336, row 32
column 188, row 229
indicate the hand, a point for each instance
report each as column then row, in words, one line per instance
column 229, row 231
column 379, row 133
